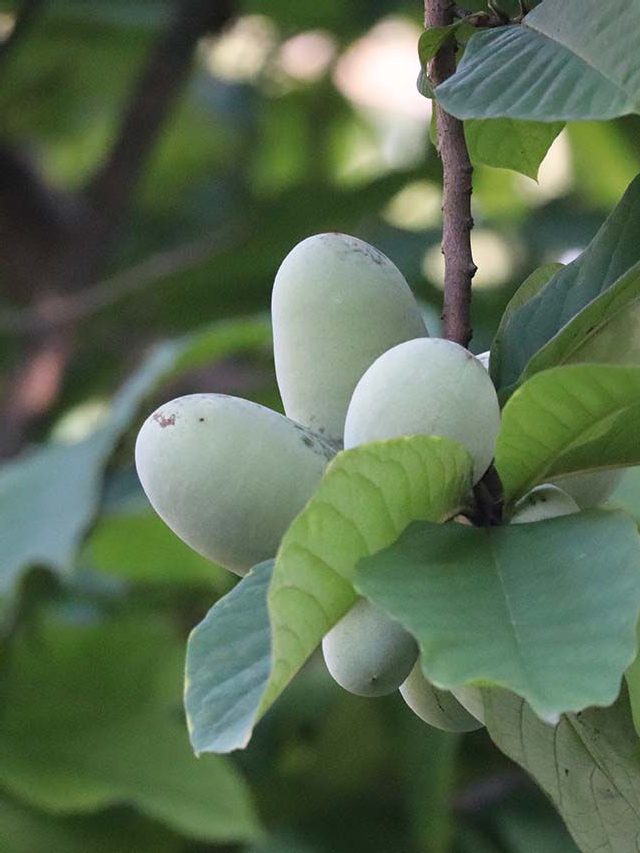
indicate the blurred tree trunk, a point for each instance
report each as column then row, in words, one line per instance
column 53, row 244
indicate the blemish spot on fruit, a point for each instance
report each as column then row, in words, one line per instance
column 201, row 420
column 160, row 419
column 308, row 441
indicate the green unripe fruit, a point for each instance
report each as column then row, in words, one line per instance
column 337, row 305
column 544, row 501
column 484, row 358
column 427, row 386
column 591, row 489
column 438, row 708
column 471, row 700
column 228, row 476
column 368, row 653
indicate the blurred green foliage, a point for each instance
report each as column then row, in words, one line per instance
column 258, row 154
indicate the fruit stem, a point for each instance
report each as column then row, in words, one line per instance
column 459, row 267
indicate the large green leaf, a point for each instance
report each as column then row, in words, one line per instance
column 506, row 143
column 25, row 830
column 566, row 420
column 366, row 498
column 228, row 666
column 89, row 719
column 49, row 496
column 527, row 290
column 610, row 256
column 572, row 60
column 522, row 606
column 589, row 764
column 605, row 331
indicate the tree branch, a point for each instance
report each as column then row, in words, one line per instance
column 158, row 87
column 456, row 202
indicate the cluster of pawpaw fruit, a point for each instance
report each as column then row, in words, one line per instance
column 354, row 363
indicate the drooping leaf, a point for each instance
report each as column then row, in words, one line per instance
column 527, row 290
column 589, row 764
column 606, row 330
column 49, row 496
column 571, row 60
column 506, row 143
column 228, row 665
column 366, row 498
column 89, row 719
column 566, row 420
column 509, row 605
column 610, row 256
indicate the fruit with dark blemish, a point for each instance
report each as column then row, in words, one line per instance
column 228, row 476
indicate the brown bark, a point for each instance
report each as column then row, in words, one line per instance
column 456, row 201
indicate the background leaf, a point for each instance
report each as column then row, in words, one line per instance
column 571, row 60
column 565, row 420
column 116, row 736
column 508, row 605
column 49, row 496
column 589, row 764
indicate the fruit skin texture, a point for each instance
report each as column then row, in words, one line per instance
column 427, row 386
column 591, row 489
column 228, row 476
column 546, row 501
column 368, row 653
column 337, row 304
column 470, row 698
column 438, row 708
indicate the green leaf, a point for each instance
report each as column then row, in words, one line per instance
column 49, row 496
column 366, row 498
column 509, row 605
column 423, row 84
column 89, row 720
column 228, row 666
column 139, row 547
column 433, row 39
column 589, row 764
column 527, row 290
column 25, row 830
column 606, row 331
column 610, row 256
column 506, row 143
column 572, row 60
column 567, row 420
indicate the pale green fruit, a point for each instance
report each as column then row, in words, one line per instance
column 439, row 708
column 228, row 476
column 591, row 489
column 484, row 358
column 546, row 501
column 337, row 305
column 471, row 700
column 427, row 386
column 368, row 653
